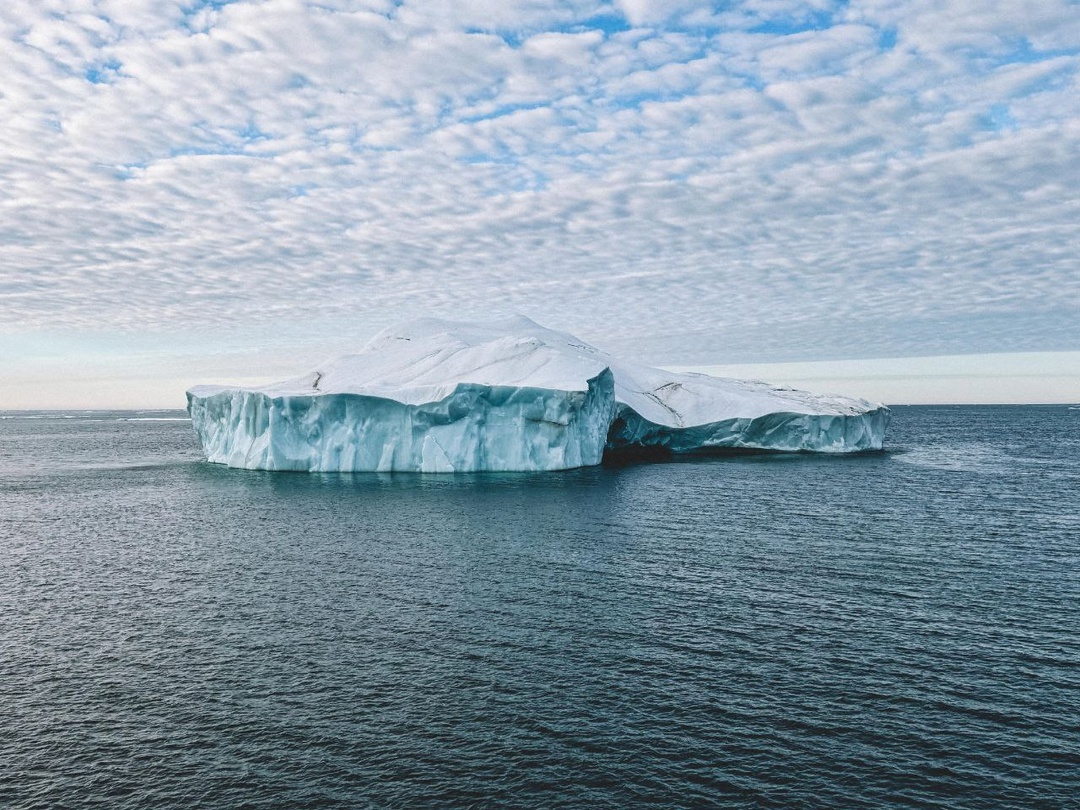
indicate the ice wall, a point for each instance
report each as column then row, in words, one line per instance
column 778, row 431
column 476, row 427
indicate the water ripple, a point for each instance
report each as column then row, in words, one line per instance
column 896, row 630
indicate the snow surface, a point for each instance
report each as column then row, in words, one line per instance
column 509, row 395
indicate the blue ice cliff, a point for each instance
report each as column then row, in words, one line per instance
column 509, row 395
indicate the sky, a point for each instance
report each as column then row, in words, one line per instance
column 200, row 190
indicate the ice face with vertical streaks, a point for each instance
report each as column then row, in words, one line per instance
column 509, row 395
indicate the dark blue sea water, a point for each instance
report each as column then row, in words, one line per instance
column 884, row 631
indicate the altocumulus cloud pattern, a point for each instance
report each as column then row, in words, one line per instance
column 764, row 178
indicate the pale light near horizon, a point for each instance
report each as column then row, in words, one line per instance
column 1017, row 378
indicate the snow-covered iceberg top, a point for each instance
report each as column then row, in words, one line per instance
column 441, row 396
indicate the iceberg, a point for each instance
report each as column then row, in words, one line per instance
column 509, row 395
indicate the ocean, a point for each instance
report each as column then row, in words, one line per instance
column 890, row 630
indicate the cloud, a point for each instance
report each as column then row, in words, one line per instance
column 769, row 181
column 653, row 12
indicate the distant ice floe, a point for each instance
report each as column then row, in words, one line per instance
column 508, row 395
